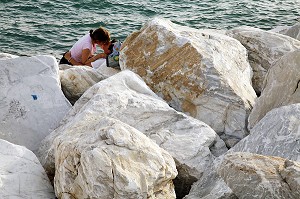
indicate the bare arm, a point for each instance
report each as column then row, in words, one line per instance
column 87, row 62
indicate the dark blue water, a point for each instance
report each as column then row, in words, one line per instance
column 51, row 27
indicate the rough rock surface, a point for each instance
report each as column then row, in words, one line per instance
column 277, row 134
column 256, row 176
column 100, row 157
column 76, row 80
column 281, row 87
column 124, row 96
column 21, row 174
column 203, row 73
column 264, row 48
column 32, row 103
column 211, row 185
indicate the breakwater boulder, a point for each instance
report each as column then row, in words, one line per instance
column 21, row 174
column 257, row 176
column 32, row 103
column 100, row 157
column 264, row 48
column 199, row 72
column 281, row 87
column 276, row 134
column 75, row 80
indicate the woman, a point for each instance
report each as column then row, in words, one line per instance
column 82, row 52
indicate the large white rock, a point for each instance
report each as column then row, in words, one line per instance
column 126, row 97
column 76, row 80
column 21, row 174
column 31, row 101
column 281, row 87
column 200, row 72
column 276, row 134
column 264, row 48
column 256, row 176
column 100, row 157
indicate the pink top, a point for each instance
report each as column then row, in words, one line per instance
column 84, row 42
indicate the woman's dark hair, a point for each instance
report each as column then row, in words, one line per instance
column 100, row 34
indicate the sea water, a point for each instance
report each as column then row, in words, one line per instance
column 51, row 27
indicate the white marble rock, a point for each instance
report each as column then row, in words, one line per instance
column 100, row 157
column 76, row 80
column 21, row 174
column 4, row 56
column 125, row 96
column 31, row 101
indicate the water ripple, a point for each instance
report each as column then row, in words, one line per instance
column 51, row 27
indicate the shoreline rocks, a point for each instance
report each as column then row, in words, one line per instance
column 124, row 138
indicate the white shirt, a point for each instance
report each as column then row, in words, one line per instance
column 84, row 42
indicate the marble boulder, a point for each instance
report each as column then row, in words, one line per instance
column 100, row 157
column 199, row 72
column 257, row 176
column 264, row 48
column 76, row 80
column 4, row 56
column 21, row 174
column 293, row 31
column 125, row 97
column 31, row 101
column 276, row 134
column 281, row 87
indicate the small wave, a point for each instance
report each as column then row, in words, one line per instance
column 53, row 26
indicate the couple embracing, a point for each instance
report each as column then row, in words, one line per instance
column 83, row 51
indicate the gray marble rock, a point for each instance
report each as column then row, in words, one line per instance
column 293, row 31
column 264, row 48
column 257, row 176
column 281, row 87
column 276, row 134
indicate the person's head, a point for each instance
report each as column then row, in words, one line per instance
column 100, row 36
